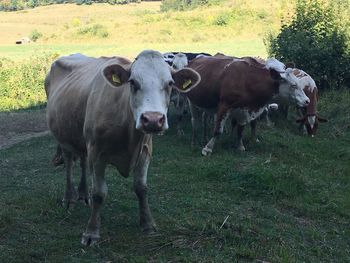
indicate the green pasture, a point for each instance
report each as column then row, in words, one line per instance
column 283, row 200
column 253, row 47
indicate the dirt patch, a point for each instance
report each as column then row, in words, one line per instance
column 16, row 127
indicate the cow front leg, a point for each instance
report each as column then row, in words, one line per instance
column 221, row 117
column 82, row 188
column 70, row 195
column 99, row 193
column 240, row 145
column 147, row 223
column 253, row 124
column 180, row 112
column 195, row 118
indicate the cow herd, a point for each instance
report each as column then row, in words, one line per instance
column 103, row 111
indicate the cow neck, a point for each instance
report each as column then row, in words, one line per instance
column 311, row 108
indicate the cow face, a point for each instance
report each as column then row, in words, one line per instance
column 151, row 80
column 180, row 61
column 289, row 88
column 311, row 123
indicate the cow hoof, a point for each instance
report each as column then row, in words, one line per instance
column 241, row 148
column 89, row 239
column 180, row 132
column 84, row 200
column 68, row 204
column 206, row 151
column 149, row 230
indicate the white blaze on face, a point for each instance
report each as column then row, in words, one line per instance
column 150, row 77
column 311, row 120
column 180, row 61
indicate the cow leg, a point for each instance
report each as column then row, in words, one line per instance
column 147, row 223
column 82, row 188
column 70, row 195
column 205, row 126
column 301, row 112
column 221, row 117
column 253, row 130
column 240, row 129
column 195, row 117
column 58, row 158
column 99, row 193
column 180, row 112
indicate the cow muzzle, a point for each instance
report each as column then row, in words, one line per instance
column 152, row 122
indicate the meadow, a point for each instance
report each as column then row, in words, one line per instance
column 286, row 199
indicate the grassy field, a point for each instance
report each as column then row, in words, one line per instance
column 236, row 27
column 284, row 200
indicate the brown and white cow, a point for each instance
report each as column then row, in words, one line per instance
column 229, row 83
column 308, row 116
column 107, row 109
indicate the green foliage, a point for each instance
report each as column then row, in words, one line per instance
column 182, row 5
column 317, row 42
column 21, row 83
column 95, row 30
column 35, row 35
column 15, row 5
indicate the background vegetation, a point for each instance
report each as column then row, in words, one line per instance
column 317, row 40
column 15, row 5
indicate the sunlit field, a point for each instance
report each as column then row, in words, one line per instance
column 236, row 27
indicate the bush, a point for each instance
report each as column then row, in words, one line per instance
column 96, row 30
column 317, row 42
column 22, row 83
column 35, row 35
column 182, row 5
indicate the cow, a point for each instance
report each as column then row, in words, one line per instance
column 308, row 116
column 105, row 110
column 229, row 83
column 179, row 60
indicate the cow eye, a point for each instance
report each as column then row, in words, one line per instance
column 134, row 85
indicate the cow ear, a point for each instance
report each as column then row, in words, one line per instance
column 116, row 74
column 290, row 64
column 186, row 79
column 275, row 74
column 320, row 119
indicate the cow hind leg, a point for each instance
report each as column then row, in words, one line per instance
column 82, row 188
column 196, row 114
column 147, row 223
column 240, row 145
column 221, row 117
column 70, row 195
column 99, row 193
column 253, row 124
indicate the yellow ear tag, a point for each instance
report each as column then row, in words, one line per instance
column 186, row 84
column 116, row 79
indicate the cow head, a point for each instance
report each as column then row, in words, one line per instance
column 289, row 87
column 150, row 80
column 180, row 61
column 311, row 123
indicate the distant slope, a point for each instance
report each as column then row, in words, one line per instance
column 230, row 27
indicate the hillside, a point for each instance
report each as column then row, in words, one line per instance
column 235, row 27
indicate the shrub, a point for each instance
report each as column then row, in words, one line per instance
column 317, row 42
column 35, row 35
column 96, row 30
column 182, row 5
column 22, row 83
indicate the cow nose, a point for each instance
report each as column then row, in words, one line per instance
column 152, row 121
column 307, row 102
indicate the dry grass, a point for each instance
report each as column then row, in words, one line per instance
column 236, row 27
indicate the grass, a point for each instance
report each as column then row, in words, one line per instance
column 127, row 29
column 284, row 200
